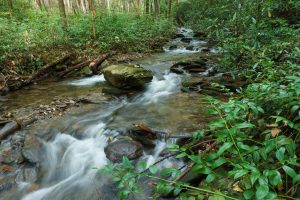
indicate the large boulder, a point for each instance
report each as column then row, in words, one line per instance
column 123, row 147
column 127, row 76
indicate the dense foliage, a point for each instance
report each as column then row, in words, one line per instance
column 255, row 136
column 30, row 36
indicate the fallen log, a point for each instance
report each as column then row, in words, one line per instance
column 46, row 68
column 18, row 83
column 8, row 129
column 94, row 66
column 74, row 68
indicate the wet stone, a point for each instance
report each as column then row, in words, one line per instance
column 189, row 66
column 187, row 40
column 27, row 174
column 124, row 146
column 6, row 183
column 31, row 149
column 8, row 154
column 173, row 47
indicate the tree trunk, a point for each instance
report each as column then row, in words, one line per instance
column 10, row 4
column 156, row 8
column 93, row 10
column 62, row 12
column 170, row 8
column 147, row 6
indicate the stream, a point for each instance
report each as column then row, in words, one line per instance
column 65, row 151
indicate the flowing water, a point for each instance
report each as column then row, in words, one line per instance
column 73, row 145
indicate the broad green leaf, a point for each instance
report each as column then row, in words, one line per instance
column 291, row 172
column 224, row 147
column 262, row 191
column 296, row 179
column 280, row 153
column 218, row 123
column 274, row 177
column 244, row 125
column 181, row 155
column 204, row 170
column 240, row 173
column 153, row 169
column 166, row 171
column 141, row 166
column 254, row 176
column 248, row 194
column 217, row 163
column 210, row 178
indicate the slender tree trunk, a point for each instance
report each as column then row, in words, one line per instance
column 147, row 6
column 93, row 10
column 170, row 8
column 62, row 12
column 10, row 4
column 156, row 8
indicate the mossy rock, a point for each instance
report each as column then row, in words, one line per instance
column 127, row 76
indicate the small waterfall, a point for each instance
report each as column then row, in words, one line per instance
column 88, row 81
column 159, row 88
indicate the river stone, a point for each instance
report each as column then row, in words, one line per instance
column 6, row 183
column 179, row 35
column 190, row 48
column 114, row 91
column 189, row 66
column 127, row 76
column 200, row 35
column 187, row 40
column 123, row 147
column 27, row 174
column 173, row 47
column 31, row 149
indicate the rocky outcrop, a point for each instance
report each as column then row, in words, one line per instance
column 127, row 76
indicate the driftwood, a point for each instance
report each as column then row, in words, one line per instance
column 74, row 68
column 150, row 134
column 94, row 66
column 46, row 68
column 19, row 82
column 8, row 129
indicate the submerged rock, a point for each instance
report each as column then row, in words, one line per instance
column 200, row 35
column 173, row 47
column 204, row 84
column 27, row 174
column 6, row 183
column 187, row 40
column 31, row 149
column 190, row 48
column 189, row 66
column 123, row 147
column 127, row 76
column 114, row 90
column 180, row 35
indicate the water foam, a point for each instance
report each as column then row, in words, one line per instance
column 88, row 81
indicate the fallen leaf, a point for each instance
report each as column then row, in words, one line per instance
column 237, row 188
column 275, row 132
